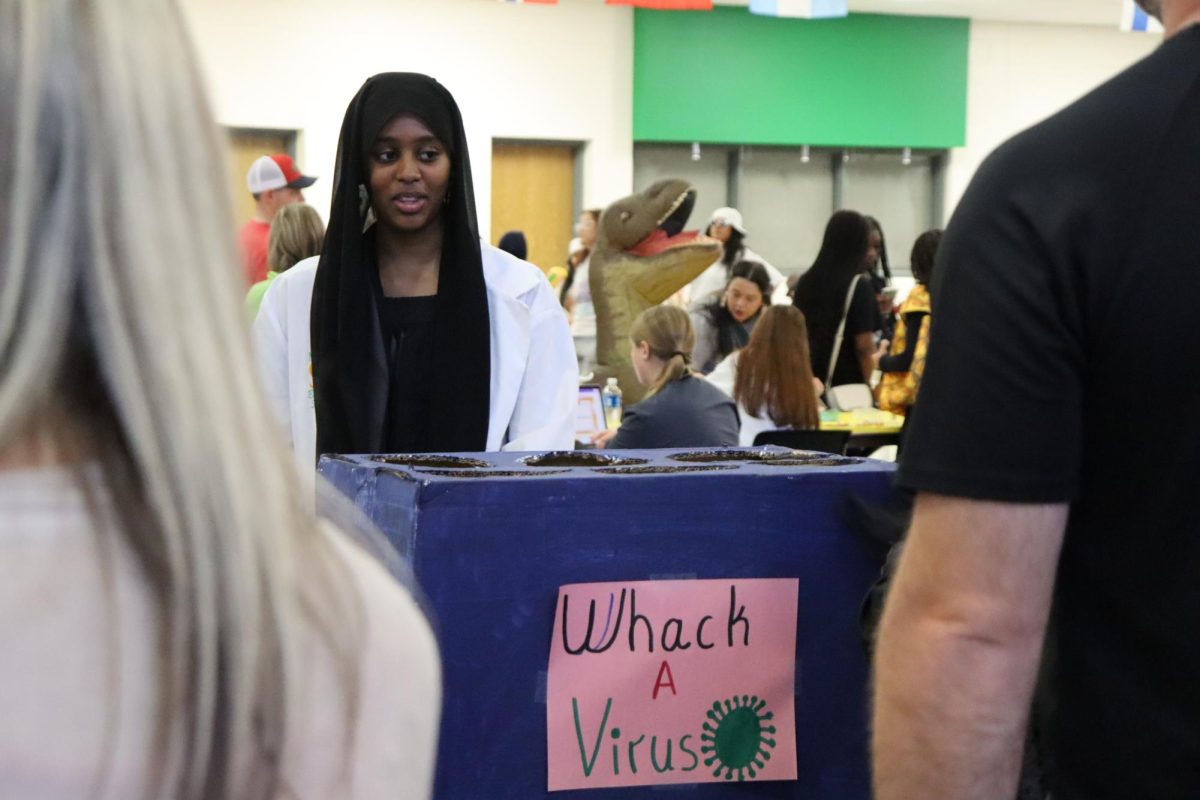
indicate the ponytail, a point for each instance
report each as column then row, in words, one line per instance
column 668, row 332
column 678, row 366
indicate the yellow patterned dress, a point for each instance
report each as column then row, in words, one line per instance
column 897, row 391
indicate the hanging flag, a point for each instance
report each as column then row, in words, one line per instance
column 1133, row 18
column 805, row 9
column 666, row 5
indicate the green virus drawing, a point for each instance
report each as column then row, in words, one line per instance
column 737, row 737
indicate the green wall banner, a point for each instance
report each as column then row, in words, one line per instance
column 867, row 80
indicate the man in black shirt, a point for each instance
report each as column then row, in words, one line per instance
column 1055, row 449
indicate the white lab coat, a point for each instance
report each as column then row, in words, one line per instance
column 534, row 386
column 724, row 376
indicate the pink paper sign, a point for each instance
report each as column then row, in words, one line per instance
column 657, row 682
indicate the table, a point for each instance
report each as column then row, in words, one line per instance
column 870, row 428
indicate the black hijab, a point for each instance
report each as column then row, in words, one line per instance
column 350, row 373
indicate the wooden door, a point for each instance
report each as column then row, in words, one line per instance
column 245, row 147
column 533, row 191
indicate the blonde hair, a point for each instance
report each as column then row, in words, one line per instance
column 296, row 234
column 669, row 333
column 155, row 365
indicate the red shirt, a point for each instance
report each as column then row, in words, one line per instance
column 253, row 241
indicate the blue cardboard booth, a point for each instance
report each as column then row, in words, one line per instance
column 492, row 536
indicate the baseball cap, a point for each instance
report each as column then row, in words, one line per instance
column 275, row 172
column 731, row 217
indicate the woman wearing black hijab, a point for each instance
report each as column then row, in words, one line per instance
column 425, row 339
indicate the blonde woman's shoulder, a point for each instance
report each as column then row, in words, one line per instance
column 395, row 732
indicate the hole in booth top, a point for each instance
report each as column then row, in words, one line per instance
column 578, row 458
column 662, row 470
column 497, row 473
column 739, row 454
column 800, row 455
column 434, row 460
column 828, row 461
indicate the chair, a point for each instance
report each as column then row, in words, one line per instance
column 821, row 441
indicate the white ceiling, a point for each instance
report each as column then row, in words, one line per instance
column 1106, row 13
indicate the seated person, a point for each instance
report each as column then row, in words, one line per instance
column 771, row 378
column 724, row 325
column 679, row 409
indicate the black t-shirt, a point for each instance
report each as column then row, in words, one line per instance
column 823, row 315
column 1061, row 368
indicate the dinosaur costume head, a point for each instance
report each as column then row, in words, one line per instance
column 642, row 257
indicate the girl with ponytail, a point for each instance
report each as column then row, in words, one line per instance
column 679, row 409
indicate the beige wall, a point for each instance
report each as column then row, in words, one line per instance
column 517, row 71
column 562, row 72
column 1022, row 73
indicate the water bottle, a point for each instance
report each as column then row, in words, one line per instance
column 611, row 398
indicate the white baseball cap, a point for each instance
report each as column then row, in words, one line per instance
column 275, row 172
column 731, row 217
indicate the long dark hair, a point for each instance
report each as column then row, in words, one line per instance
column 735, row 247
column 568, row 281
column 594, row 213
column 731, row 249
column 820, row 291
column 883, row 263
column 731, row 334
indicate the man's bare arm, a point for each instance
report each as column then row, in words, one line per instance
column 959, row 647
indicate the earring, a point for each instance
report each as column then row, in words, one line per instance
column 364, row 208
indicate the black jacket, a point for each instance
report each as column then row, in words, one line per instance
column 689, row 412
